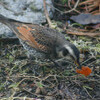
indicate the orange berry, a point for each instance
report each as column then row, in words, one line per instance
column 85, row 70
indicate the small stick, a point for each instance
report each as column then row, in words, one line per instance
column 46, row 14
column 84, row 34
column 73, row 9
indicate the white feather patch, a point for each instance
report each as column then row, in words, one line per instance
column 70, row 50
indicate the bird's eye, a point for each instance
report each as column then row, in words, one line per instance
column 65, row 52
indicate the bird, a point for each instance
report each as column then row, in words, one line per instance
column 42, row 42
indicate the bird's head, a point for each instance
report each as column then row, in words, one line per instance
column 69, row 50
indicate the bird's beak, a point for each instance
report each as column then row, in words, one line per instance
column 78, row 64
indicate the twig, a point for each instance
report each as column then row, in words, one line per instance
column 19, row 98
column 25, row 77
column 84, row 34
column 73, row 9
column 46, row 14
column 88, row 93
column 91, row 63
column 55, row 8
column 87, row 60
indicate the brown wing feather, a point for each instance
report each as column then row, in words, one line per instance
column 27, row 36
column 34, row 38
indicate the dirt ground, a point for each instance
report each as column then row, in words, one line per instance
column 22, row 79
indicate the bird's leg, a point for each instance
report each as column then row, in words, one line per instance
column 60, row 67
column 55, row 63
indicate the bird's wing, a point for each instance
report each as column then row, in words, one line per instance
column 36, row 36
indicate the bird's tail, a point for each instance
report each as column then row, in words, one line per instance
column 4, row 19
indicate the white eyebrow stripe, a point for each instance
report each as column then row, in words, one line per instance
column 70, row 50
